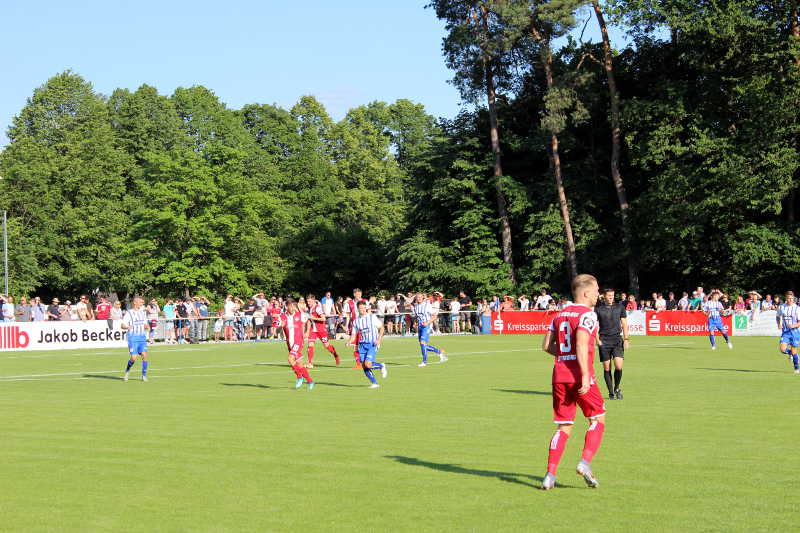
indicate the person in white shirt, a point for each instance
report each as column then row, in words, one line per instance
column 455, row 308
column 8, row 309
column 543, row 300
column 380, row 307
column 660, row 303
column 524, row 303
column 329, row 308
column 391, row 315
column 436, row 305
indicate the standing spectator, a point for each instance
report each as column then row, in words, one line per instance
column 524, row 303
column 563, row 302
column 436, row 305
column 182, row 310
column 169, row 323
column 660, row 303
column 767, row 304
column 672, row 303
column 402, row 308
column 455, row 308
column 755, row 305
column 258, row 322
column 23, row 312
column 542, row 300
column 696, row 301
column 202, row 312
column 116, row 311
column 466, row 306
column 84, row 309
column 218, row 324
column 739, row 308
column 39, row 310
column 153, row 312
column 8, row 310
column 248, row 310
column 329, row 308
column 260, row 300
column 494, row 305
column 68, row 312
column 631, row 305
column 53, row 312
column 726, row 303
column 103, row 309
column 683, row 303
column 194, row 324
column 229, row 307
column 486, row 316
column 380, row 308
column 507, row 304
column 391, row 315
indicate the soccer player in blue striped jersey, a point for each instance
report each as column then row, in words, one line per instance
column 713, row 309
column 424, row 314
column 136, row 324
column 369, row 331
column 789, row 321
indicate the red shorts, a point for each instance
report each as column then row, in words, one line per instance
column 314, row 335
column 296, row 350
column 565, row 397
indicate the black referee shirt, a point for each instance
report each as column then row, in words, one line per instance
column 609, row 318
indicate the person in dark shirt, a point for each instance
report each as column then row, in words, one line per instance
column 466, row 316
column 53, row 312
column 672, row 303
column 613, row 340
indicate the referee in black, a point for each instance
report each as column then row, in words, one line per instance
column 613, row 339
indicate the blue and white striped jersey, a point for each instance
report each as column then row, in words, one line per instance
column 423, row 312
column 135, row 320
column 788, row 315
column 367, row 327
column 713, row 308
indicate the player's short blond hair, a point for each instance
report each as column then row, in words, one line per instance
column 581, row 282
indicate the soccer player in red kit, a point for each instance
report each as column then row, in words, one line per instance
column 571, row 341
column 352, row 310
column 296, row 326
column 319, row 330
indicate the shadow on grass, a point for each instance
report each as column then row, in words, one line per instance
column 508, row 477
column 254, row 385
column 329, row 384
column 102, row 376
column 738, row 370
column 519, row 391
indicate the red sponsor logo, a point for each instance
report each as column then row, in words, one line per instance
column 522, row 322
column 12, row 337
column 665, row 323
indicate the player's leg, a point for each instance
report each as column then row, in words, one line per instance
column 711, row 337
column 618, row 364
column 366, row 354
column 310, row 351
column 328, row 346
column 145, row 362
column 721, row 329
column 131, row 360
column 564, row 417
column 592, row 406
column 425, row 346
column 605, row 358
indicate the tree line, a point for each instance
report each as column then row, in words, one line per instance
column 669, row 162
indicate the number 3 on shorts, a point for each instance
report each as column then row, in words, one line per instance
column 566, row 346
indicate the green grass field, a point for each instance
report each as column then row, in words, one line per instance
column 218, row 440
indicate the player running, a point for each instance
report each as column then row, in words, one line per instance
column 136, row 324
column 319, row 330
column 352, row 311
column 368, row 333
column 425, row 315
column 789, row 322
column 296, row 326
column 712, row 309
column 570, row 340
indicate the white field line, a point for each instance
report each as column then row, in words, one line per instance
column 38, row 377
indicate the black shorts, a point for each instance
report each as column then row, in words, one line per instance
column 611, row 348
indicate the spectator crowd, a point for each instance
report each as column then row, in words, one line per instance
column 196, row 319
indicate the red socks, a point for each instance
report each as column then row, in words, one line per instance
column 297, row 371
column 305, row 374
column 557, row 445
column 310, row 353
column 594, row 436
column 331, row 349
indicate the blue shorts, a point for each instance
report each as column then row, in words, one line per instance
column 137, row 344
column 715, row 323
column 791, row 337
column 367, row 352
column 424, row 333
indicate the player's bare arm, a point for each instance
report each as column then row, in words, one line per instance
column 625, row 333
column 582, row 338
column 549, row 344
column 380, row 336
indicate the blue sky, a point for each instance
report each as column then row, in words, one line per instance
column 345, row 53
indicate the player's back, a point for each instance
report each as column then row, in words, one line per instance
column 565, row 326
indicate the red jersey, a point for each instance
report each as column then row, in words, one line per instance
column 293, row 328
column 566, row 325
column 352, row 308
column 102, row 311
column 320, row 327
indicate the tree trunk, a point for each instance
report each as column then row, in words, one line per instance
column 502, row 210
column 555, row 162
column 616, row 135
column 794, row 27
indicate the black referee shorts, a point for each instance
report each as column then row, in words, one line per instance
column 611, row 348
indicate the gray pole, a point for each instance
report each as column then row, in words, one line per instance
column 5, row 250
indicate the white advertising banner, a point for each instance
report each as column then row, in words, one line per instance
column 67, row 335
column 763, row 324
column 636, row 322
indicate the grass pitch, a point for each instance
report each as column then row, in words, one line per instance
column 218, row 440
